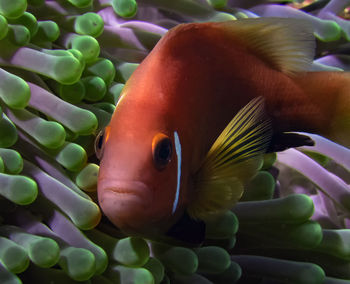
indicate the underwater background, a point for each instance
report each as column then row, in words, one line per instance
column 63, row 65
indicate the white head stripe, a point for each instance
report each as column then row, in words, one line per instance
column 178, row 154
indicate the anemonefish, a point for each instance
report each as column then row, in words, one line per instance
column 196, row 117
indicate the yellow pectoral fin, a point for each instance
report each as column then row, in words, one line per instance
column 234, row 158
column 216, row 197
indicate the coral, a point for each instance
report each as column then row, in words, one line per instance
column 63, row 65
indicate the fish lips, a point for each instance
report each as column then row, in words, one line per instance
column 125, row 203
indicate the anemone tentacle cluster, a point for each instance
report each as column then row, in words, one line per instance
column 63, row 65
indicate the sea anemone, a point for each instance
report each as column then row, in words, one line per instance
column 63, row 65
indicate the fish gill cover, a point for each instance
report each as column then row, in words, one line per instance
column 63, row 66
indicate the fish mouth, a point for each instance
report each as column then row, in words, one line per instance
column 124, row 199
column 125, row 188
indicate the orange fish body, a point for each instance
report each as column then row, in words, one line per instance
column 155, row 162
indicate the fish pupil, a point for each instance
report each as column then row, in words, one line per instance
column 162, row 153
column 100, row 141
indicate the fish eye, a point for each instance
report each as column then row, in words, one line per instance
column 99, row 144
column 161, row 150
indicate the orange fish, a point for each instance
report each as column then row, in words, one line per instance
column 196, row 117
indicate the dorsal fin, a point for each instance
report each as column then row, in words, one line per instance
column 234, row 158
column 286, row 44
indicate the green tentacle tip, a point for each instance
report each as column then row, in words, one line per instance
column 125, row 70
column 50, row 134
column 261, row 187
column 269, row 160
column 67, row 69
column 13, row 162
column 179, row 260
column 87, row 215
column 130, row 275
column 103, row 68
column 8, row 277
column 222, row 17
column 13, row 256
column 78, row 263
column 3, row 27
column 18, row 35
column 19, row 189
column 212, row 260
column 95, row 88
column 89, row 24
column 87, row 177
column 301, row 207
column 83, row 122
column 223, row 227
column 310, row 273
column 131, row 251
column 230, row 275
column 217, row 4
column 14, row 91
column 115, row 91
column 328, row 30
column 336, row 242
column 28, row 20
column 13, row 9
column 125, row 8
column 73, row 93
column 44, row 252
column 295, row 208
column 87, row 45
column 78, row 55
column 81, row 3
column 307, row 235
column 108, row 107
column 286, row 271
column 72, row 156
column 240, row 15
column 8, row 133
column 156, row 268
column 47, row 31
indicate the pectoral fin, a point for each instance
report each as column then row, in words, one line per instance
column 234, row 158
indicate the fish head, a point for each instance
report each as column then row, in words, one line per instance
column 139, row 182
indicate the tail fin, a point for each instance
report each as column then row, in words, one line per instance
column 330, row 92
